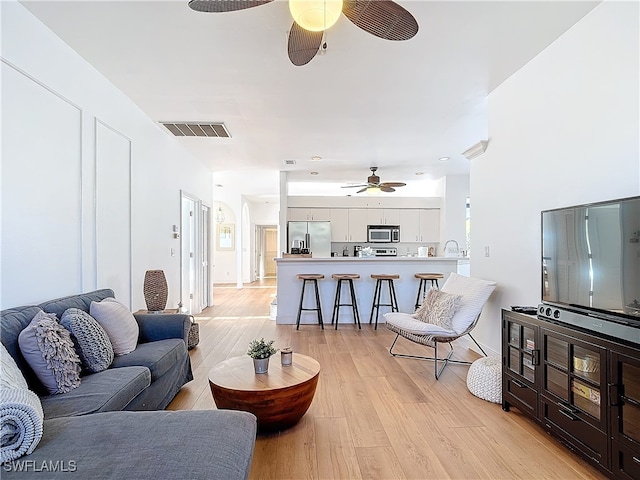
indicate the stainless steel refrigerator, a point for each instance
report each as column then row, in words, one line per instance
column 315, row 235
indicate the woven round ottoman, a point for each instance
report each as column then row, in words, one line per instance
column 484, row 379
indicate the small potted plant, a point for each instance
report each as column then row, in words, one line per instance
column 261, row 351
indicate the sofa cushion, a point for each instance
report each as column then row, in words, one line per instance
column 105, row 391
column 119, row 324
column 91, row 341
column 211, row 444
column 48, row 349
column 81, row 301
column 158, row 356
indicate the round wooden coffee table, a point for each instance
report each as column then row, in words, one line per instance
column 278, row 398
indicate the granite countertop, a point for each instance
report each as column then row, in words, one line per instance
column 373, row 259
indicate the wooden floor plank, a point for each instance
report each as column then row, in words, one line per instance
column 374, row 416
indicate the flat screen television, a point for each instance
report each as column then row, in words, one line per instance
column 591, row 261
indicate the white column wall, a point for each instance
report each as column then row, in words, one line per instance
column 52, row 165
column 563, row 130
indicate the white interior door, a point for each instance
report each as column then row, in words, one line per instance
column 189, row 254
column 205, row 274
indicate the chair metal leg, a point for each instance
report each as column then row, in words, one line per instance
column 445, row 361
column 474, row 341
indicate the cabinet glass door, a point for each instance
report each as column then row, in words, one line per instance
column 573, row 373
column 626, row 399
column 522, row 351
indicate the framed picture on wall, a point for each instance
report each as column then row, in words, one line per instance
column 225, row 236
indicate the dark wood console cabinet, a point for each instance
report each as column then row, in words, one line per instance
column 580, row 387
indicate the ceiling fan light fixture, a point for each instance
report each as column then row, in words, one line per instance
column 315, row 15
column 373, row 191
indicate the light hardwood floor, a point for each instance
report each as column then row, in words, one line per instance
column 374, row 416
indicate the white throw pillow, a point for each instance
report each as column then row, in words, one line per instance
column 118, row 322
column 474, row 291
column 10, row 375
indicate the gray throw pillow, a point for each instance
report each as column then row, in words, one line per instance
column 48, row 349
column 91, row 341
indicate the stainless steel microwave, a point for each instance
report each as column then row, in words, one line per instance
column 383, row 233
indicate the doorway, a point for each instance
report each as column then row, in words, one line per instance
column 266, row 250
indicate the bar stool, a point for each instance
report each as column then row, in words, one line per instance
column 377, row 294
column 346, row 277
column 422, row 287
column 310, row 277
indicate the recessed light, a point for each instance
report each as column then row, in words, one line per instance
column 314, row 173
column 316, row 158
column 443, row 159
column 419, row 173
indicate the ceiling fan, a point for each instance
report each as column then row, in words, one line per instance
column 373, row 184
column 382, row 18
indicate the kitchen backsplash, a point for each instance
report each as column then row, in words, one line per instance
column 404, row 249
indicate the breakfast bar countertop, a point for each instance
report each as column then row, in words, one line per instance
column 288, row 285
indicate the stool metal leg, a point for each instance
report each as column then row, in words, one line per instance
column 304, row 283
column 315, row 282
column 354, row 304
column 376, row 300
column 394, row 299
column 421, row 292
column 336, row 303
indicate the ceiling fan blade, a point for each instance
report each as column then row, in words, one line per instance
column 363, row 190
column 303, row 45
column 392, row 184
column 219, row 6
column 382, row 18
column 353, row 186
column 386, row 188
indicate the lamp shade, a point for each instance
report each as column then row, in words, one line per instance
column 315, row 15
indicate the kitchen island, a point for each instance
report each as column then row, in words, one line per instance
column 288, row 286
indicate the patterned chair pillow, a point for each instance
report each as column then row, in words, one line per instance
column 438, row 308
column 90, row 339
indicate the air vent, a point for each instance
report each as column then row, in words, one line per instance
column 197, row 129
column 289, row 162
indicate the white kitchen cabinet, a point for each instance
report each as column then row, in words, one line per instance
column 429, row 225
column 383, row 216
column 358, row 224
column 297, row 214
column 409, row 225
column 419, row 225
column 339, row 224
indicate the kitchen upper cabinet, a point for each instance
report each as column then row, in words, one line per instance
column 358, row 222
column 419, row 225
column 296, row 214
column 383, row 216
column 429, row 225
column 339, row 225
column 409, row 222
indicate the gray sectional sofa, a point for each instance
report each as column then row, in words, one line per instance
column 110, row 426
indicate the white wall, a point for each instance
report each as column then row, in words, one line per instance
column 88, row 181
column 563, row 130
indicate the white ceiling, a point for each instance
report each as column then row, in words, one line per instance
column 366, row 102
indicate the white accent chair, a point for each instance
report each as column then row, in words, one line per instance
column 474, row 294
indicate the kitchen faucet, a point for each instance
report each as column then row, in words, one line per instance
column 457, row 248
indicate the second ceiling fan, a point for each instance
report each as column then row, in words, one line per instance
column 373, row 184
column 383, row 18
